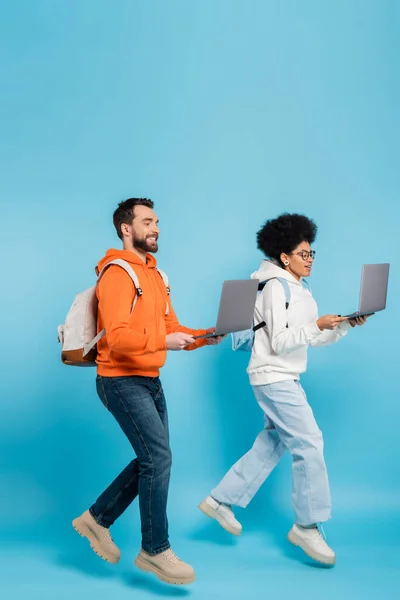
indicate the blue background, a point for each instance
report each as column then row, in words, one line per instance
column 225, row 113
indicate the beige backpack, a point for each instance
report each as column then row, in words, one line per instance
column 78, row 336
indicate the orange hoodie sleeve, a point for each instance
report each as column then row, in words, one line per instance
column 173, row 325
column 116, row 293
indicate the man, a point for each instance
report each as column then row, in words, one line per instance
column 128, row 363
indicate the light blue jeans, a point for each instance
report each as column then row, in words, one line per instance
column 289, row 424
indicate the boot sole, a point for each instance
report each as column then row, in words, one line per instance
column 143, row 565
column 85, row 532
column 213, row 514
column 297, row 541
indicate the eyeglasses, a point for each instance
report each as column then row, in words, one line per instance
column 305, row 255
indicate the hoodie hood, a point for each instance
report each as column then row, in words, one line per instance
column 270, row 269
column 130, row 257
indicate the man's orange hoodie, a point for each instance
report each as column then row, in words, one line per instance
column 135, row 342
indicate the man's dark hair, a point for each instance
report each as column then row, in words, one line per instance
column 125, row 212
column 284, row 234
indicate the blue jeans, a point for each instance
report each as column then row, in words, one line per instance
column 138, row 405
column 289, row 424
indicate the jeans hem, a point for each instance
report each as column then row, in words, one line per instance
column 323, row 520
column 155, row 553
column 98, row 521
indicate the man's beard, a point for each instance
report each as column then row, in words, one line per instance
column 144, row 246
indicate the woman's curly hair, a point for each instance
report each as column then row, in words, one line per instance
column 284, row 234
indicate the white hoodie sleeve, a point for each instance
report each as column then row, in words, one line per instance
column 331, row 336
column 272, row 308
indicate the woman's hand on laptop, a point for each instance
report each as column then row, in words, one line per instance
column 213, row 341
column 358, row 321
column 329, row 322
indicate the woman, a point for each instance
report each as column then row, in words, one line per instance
column 279, row 356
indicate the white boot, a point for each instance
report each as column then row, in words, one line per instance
column 221, row 513
column 313, row 544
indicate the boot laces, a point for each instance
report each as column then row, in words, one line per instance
column 171, row 556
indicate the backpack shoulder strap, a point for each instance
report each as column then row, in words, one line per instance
column 165, row 280
column 127, row 267
column 284, row 284
column 286, row 289
column 166, row 283
column 306, row 285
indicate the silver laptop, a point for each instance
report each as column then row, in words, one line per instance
column 236, row 307
column 373, row 292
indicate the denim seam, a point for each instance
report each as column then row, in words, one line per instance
column 312, row 501
column 117, row 497
column 307, row 474
column 97, row 519
column 148, row 454
column 104, row 391
column 149, row 511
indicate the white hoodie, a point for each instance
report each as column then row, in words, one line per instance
column 279, row 352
